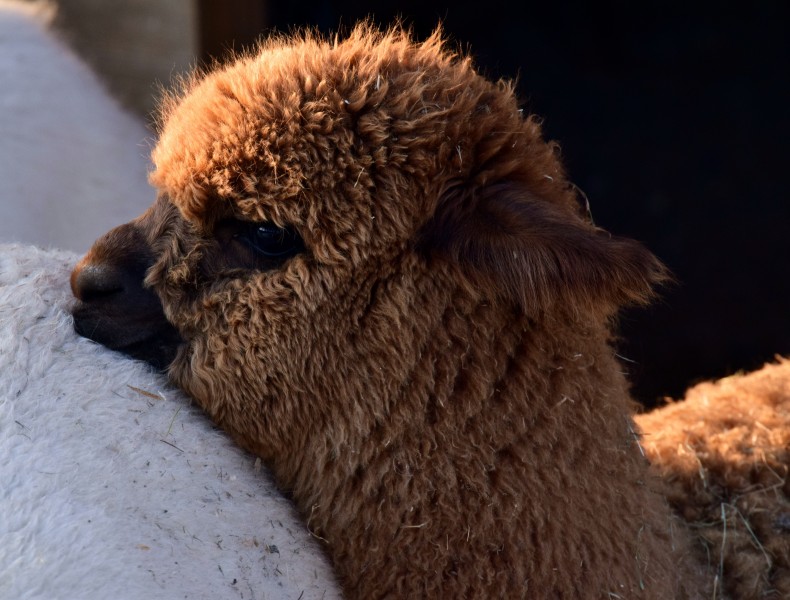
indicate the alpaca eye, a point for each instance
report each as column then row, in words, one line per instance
column 271, row 241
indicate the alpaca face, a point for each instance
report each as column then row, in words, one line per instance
column 317, row 203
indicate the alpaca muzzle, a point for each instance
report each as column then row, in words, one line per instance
column 115, row 309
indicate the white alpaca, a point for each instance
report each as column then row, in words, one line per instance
column 73, row 164
column 113, row 485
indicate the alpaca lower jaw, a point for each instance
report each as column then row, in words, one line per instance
column 155, row 342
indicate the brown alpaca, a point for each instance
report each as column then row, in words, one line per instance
column 724, row 453
column 369, row 268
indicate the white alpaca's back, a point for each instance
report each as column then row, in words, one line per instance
column 112, row 485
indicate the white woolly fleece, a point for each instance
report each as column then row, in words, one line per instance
column 111, row 484
column 73, row 164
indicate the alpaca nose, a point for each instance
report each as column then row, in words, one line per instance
column 116, row 308
column 113, row 270
column 91, row 282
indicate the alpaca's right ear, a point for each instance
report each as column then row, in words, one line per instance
column 509, row 242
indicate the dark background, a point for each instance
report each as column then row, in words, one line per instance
column 672, row 117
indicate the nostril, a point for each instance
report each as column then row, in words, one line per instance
column 91, row 282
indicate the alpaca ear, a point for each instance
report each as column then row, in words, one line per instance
column 537, row 253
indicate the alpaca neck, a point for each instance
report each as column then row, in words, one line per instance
column 489, row 439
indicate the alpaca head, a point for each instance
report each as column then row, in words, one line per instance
column 316, row 201
column 367, row 265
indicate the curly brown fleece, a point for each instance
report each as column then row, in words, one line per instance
column 431, row 377
column 724, row 452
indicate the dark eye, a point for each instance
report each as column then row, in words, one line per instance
column 270, row 241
